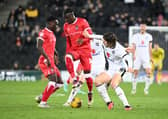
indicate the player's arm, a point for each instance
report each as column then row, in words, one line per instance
column 40, row 48
column 162, row 54
column 85, row 28
column 56, row 57
column 92, row 36
column 126, row 58
column 131, row 49
column 150, row 50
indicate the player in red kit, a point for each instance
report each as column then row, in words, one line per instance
column 46, row 45
column 78, row 48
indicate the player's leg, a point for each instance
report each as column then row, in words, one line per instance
column 73, row 93
column 100, row 83
column 86, row 64
column 137, row 65
column 153, row 70
column 49, row 89
column 147, row 80
column 70, row 79
column 134, row 81
column 77, row 84
column 55, row 82
column 80, row 76
column 70, row 57
column 116, row 79
column 159, row 72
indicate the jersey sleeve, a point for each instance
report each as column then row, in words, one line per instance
column 121, row 51
column 86, row 26
column 42, row 36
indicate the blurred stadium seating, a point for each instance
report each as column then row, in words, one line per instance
column 18, row 33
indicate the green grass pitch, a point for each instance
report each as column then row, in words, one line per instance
column 17, row 102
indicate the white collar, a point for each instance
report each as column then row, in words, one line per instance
column 48, row 29
column 75, row 20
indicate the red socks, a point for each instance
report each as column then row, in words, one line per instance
column 89, row 82
column 50, row 88
column 70, row 66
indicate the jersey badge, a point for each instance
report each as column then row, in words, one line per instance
column 76, row 27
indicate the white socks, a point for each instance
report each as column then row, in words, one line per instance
column 103, row 93
column 73, row 93
column 147, row 83
column 121, row 95
column 134, row 84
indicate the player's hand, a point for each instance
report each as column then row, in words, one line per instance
column 129, row 49
column 80, row 41
column 56, row 59
column 47, row 62
column 151, row 60
column 130, row 70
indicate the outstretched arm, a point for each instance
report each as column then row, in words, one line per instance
column 93, row 36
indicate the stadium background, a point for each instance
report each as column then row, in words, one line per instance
column 19, row 56
column 21, row 20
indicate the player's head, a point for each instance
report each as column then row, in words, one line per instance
column 52, row 22
column 142, row 27
column 156, row 46
column 69, row 16
column 109, row 39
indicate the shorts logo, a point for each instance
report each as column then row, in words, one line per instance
column 113, row 52
column 97, row 44
column 108, row 54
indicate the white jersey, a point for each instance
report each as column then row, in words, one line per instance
column 142, row 42
column 142, row 53
column 115, row 59
column 98, row 58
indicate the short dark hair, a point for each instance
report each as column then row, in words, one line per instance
column 69, row 10
column 110, row 38
column 51, row 18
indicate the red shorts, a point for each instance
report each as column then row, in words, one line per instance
column 84, row 57
column 79, row 68
column 48, row 70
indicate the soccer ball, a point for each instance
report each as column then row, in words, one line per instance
column 76, row 103
column 38, row 98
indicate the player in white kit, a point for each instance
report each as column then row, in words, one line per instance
column 142, row 46
column 118, row 64
column 98, row 57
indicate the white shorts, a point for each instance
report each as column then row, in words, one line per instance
column 115, row 68
column 97, row 69
column 98, row 65
column 144, row 62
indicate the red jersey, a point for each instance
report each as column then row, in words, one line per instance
column 49, row 42
column 73, row 33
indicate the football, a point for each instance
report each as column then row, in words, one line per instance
column 76, row 103
column 38, row 98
